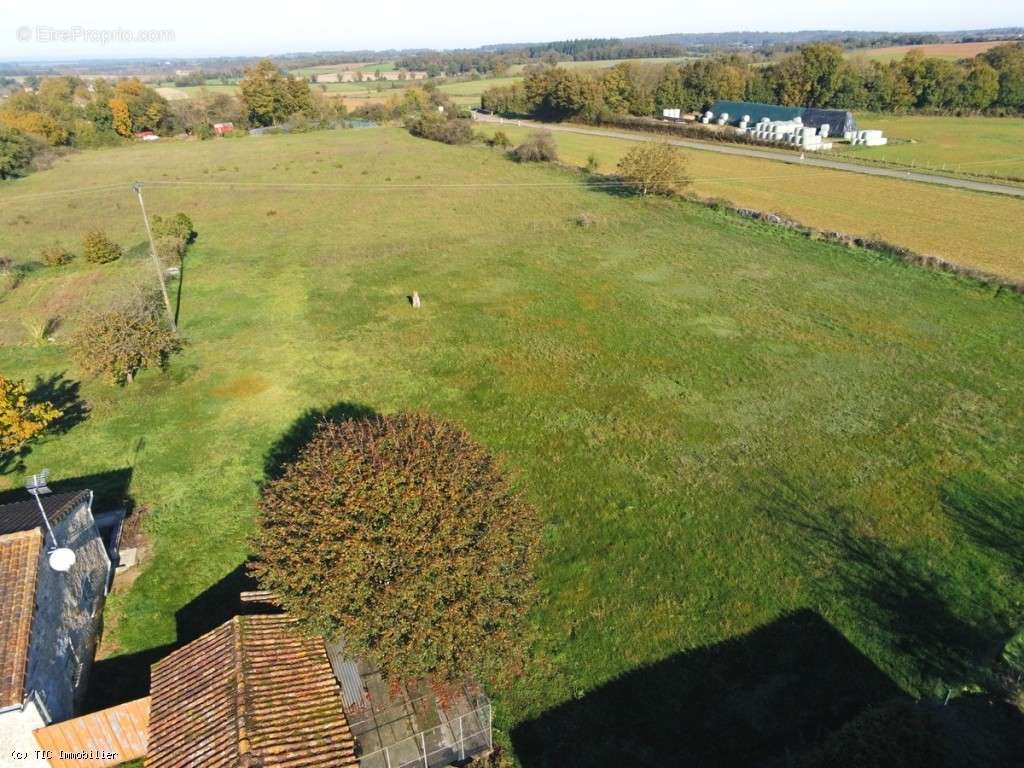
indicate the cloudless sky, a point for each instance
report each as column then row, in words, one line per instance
column 251, row 27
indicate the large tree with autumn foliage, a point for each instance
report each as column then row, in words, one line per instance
column 403, row 536
column 21, row 418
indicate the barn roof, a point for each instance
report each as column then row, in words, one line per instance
column 756, row 110
column 838, row 120
column 252, row 692
column 19, row 565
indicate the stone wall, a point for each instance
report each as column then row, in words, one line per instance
column 68, row 615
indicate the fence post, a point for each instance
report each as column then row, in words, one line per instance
column 490, row 730
column 423, row 743
column 462, row 743
column 387, row 757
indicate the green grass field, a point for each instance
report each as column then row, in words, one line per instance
column 982, row 146
column 966, row 228
column 476, row 87
column 373, row 66
column 720, row 422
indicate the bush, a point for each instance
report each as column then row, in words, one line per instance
column 179, row 226
column 401, row 535
column 585, row 220
column 98, row 248
column 500, row 139
column 16, row 152
column 655, row 168
column 21, row 420
column 437, row 127
column 56, row 255
column 538, row 147
column 121, row 341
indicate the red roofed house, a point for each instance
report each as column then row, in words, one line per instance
column 251, row 693
column 256, row 692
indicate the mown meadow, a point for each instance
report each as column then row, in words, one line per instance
column 724, row 425
column 967, row 228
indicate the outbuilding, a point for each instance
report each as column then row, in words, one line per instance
column 839, row 121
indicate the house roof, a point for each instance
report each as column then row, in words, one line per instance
column 24, row 515
column 100, row 739
column 253, row 692
column 19, row 564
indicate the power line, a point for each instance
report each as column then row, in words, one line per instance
column 63, row 193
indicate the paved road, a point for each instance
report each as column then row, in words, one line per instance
column 767, row 154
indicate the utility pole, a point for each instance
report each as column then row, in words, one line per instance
column 137, row 188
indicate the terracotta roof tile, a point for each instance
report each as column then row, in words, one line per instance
column 252, row 690
column 81, row 742
column 19, row 564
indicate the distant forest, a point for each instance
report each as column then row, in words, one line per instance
column 494, row 59
column 817, row 75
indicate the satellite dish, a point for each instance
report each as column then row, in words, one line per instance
column 62, row 559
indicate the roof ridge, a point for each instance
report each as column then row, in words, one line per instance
column 241, row 700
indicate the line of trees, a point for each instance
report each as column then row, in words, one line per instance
column 69, row 111
column 818, row 75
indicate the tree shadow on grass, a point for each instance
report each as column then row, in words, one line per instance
column 943, row 627
column 610, row 184
column 751, row 700
column 286, row 449
column 990, row 514
column 64, row 394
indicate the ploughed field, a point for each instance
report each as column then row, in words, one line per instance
column 724, row 425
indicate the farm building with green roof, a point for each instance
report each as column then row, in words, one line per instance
column 839, row 121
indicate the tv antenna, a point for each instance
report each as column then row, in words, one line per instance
column 61, row 558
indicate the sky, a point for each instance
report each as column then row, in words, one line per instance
column 77, row 29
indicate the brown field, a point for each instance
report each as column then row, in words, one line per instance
column 938, row 50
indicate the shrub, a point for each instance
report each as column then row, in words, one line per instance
column 98, row 248
column 500, row 140
column 538, row 147
column 655, row 168
column 16, row 152
column 20, row 419
column 585, row 220
column 401, row 535
column 56, row 255
column 592, row 163
column 179, row 225
column 435, row 126
column 121, row 341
